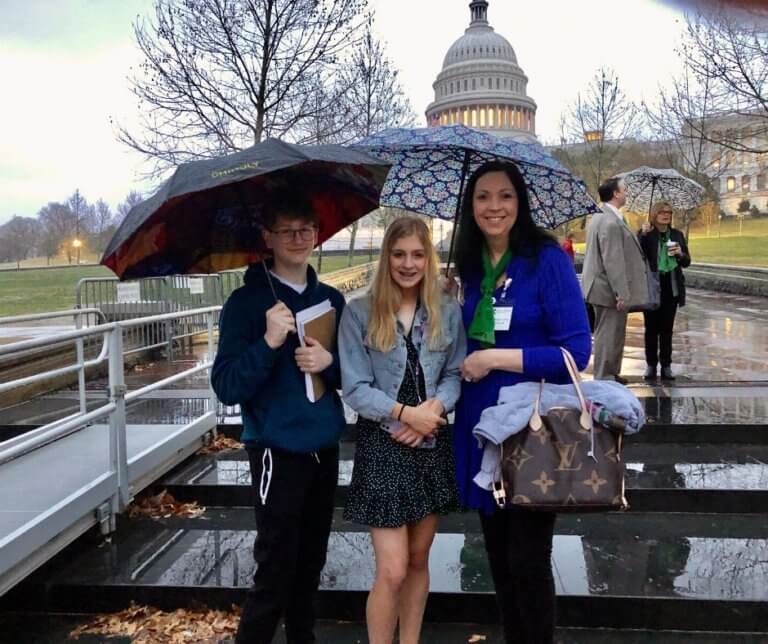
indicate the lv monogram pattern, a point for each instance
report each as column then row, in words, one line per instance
column 551, row 468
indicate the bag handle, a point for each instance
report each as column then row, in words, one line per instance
column 585, row 419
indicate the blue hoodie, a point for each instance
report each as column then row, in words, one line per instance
column 266, row 382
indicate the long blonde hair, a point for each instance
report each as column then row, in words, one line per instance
column 386, row 295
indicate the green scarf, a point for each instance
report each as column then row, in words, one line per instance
column 667, row 263
column 483, row 325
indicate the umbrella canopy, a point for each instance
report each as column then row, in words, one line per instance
column 430, row 167
column 646, row 185
column 207, row 216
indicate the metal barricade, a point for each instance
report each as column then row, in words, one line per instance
column 185, row 292
column 122, row 301
column 231, row 280
column 100, row 487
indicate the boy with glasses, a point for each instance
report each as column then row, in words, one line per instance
column 292, row 443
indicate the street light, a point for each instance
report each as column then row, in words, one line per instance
column 76, row 243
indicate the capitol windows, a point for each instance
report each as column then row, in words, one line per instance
column 761, row 181
column 730, row 184
column 465, row 84
column 498, row 83
column 474, row 83
column 746, row 180
column 451, row 88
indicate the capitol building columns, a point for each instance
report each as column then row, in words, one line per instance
column 481, row 84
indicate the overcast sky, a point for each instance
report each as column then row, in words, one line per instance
column 64, row 65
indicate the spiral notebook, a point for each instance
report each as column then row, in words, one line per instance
column 318, row 322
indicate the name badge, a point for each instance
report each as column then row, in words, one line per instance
column 502, row 318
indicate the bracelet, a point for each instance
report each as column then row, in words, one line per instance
column 400, row 415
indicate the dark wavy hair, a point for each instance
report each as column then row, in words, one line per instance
column 525, row 237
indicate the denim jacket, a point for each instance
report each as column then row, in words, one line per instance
column 371, row 379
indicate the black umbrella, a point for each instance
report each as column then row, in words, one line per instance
column 207, row 216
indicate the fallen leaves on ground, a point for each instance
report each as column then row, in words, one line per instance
column 147, row 625
column 163, row 506
column 220, row 444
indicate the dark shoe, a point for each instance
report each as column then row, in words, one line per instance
column 650, row 372
column 666, row 373
column 620, row 380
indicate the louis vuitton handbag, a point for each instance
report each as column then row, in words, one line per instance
column 563, row 461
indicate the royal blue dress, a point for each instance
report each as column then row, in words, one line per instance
column 548, row 312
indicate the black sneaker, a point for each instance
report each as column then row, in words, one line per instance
column 650, row 373
column 666, row 373
column 620, row 380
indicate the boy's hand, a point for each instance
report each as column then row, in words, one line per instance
column 280, row 323
column 313, row 358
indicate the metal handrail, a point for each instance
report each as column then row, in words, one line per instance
column 33, row 317
column 56, row 338
column 167, row 316
column 137, row 393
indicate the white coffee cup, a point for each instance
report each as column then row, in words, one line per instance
column 671, row 244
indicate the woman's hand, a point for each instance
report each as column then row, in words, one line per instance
column 408, row 436
column 645, row 228
column 424, row 419
column 476, row 365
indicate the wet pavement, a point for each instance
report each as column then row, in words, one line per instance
column 718, row 338
column 690, row 555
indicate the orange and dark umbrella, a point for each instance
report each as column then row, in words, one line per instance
column 207, row 216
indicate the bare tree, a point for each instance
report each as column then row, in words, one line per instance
column 20, row 235
column 728, row 54
column 375, row 99
column 102, row 225
column 677, row 120
column 132, row 199
column 600, row 122
column 57, row 224
column 220, row 74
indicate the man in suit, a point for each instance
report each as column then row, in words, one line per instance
column 613, row 279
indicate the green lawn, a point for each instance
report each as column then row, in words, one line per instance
column 37, row 291
column 746, row 250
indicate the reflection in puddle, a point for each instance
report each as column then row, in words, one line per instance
column 669, row 567
column 706, row 410
column 698, row 476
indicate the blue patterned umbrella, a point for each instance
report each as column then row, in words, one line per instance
column 430, row 167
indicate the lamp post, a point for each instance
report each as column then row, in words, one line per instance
column 76, row 244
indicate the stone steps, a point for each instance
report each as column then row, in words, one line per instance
column 687, row 563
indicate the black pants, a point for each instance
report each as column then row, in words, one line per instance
column 293, row 527
column 659, row 325
column 519, row 547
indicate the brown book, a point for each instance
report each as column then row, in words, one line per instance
column 318, row 322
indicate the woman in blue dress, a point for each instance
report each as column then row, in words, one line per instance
column 521, row 302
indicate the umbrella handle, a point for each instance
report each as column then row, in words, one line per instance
column 269, row 280
column 464, row 169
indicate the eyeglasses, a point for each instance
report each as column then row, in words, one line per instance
column 665, row 212
column 287, row 235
